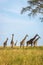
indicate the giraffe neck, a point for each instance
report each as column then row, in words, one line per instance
column 34, row 37
column 37, row 39
column 12, row 38
column 6, row 40
column 25, row 37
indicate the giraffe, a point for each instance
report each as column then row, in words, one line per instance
column 35, row 41
column 15, row 43
column 31, row 40
column 12, row 42
column 23, row 41
column 5, row 43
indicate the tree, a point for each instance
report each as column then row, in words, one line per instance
column 35, row 7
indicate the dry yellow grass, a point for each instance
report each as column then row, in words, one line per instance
column 20, row 56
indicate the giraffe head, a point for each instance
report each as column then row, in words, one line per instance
column 26, row 35
column 37, row 35
column 12, row 34
column 7, row 38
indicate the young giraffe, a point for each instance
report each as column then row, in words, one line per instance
column 15, row 43
column 23, row 41
column 31, row 40
column 12, row 42
column 35, row 41
column 5, row 43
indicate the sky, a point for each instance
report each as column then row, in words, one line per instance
column 12, row 22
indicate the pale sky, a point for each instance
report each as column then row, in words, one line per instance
column 12, row 22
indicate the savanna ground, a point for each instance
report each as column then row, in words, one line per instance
column 20, row 56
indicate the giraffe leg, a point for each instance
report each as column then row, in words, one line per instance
column 20, row 45
column 23, row 45
column 34, row 44
column 4, row 44
column 26, row 44
column 31, row 44
column 11, row 45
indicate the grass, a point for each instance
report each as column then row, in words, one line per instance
column 20, row 56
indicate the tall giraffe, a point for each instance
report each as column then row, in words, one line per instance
column 5, row 43
column 31, row 40
column 35, row 41
column 12, row 42
column 23, row 41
